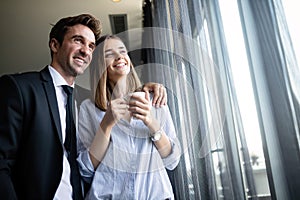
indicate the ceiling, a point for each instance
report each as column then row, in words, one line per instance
column 25, row 27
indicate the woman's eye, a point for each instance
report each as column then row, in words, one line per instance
column 109, row 55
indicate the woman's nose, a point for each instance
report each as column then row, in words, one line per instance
column 119, row 56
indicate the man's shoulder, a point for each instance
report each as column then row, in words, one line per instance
column 19, row 78
column 82, row 90
column 26, row 75
column 81, row 94
column 23, row 79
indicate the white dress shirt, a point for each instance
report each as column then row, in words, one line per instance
column 64, row 190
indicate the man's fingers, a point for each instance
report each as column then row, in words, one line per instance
column 160, row 96
column 156, row 94
column 164, row 97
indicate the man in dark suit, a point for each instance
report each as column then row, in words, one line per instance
column 33, row 159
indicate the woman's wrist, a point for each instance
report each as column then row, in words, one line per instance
column 106, row 125
column 153, row 126
column 108, row 120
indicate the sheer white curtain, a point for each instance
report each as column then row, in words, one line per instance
column 184, row 47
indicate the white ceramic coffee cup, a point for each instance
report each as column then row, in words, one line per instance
column 128, row 97
column 140, row 94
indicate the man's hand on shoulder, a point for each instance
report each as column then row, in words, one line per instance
column 159, row 93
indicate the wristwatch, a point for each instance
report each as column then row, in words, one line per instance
column 156, row 135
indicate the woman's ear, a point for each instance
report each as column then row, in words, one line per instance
column 54, row 45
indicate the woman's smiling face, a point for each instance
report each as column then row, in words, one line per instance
column 117, row 60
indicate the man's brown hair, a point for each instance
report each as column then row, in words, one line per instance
column 59, row 30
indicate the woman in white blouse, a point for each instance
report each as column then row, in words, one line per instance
column 126, row 144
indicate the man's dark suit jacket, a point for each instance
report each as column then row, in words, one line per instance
column 31, row 147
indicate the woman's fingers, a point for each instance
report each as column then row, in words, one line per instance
column 118, row 108
column 140, row 109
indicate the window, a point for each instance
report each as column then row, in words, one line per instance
column 291, row 10
column 243, row 85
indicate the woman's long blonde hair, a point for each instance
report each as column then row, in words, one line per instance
column 100, row 86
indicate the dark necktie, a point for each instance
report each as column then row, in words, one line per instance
column 70, row 145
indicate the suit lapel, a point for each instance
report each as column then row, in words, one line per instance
column 52, row 101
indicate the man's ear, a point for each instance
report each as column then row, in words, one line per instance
column 54, row 45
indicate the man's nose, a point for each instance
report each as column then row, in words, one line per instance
column 85, row 50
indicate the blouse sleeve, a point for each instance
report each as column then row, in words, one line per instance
column 164, row 116
column 87, row 125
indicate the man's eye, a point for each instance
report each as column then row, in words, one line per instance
column 78, row 40
column 92, row 47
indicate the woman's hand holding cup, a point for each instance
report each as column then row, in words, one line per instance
column 140, row 106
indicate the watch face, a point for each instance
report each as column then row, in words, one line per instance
column 156, row 136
